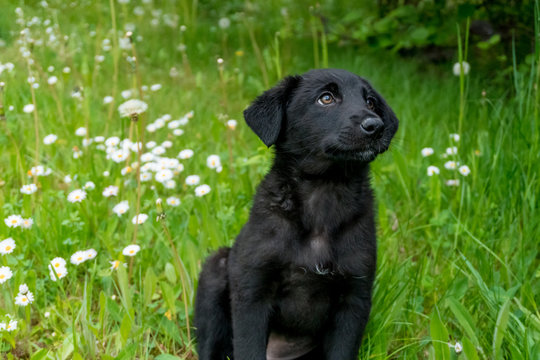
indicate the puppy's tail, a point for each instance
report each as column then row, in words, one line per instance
column 213, row 309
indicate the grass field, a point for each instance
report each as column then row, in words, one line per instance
column 458, row 263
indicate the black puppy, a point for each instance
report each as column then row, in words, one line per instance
column 297, row 282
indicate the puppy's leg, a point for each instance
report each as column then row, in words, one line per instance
column 213, row 309
column 343, row 338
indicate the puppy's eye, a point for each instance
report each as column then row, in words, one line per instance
column 326, row 99
column 370, row 102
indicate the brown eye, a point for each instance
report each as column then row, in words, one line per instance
column 326, row 99
column 370, row 102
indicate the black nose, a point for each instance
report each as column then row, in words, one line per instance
column 372, row 126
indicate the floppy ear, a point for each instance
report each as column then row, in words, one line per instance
column 266, row 115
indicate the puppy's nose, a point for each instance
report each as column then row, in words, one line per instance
column 372, row 126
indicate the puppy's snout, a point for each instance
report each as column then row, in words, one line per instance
column 372, row 126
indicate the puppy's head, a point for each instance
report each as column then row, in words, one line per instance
column 325, row 114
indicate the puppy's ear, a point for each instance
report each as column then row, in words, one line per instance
column 266, row 115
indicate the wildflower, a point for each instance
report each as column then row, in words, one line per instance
column 202, row 190
column 178, row 132
column 5, row 274
column 450, row 165
column 78, row 258
column 155, row 87
column 66, row 70
column 452, row 182
column 13, row 221
column 47, row 314
column 52, row 80
column 139, row 219
column 89, row 185
column 213, row 162
column 24, row 299
column 451, row 150
column 110, row 191
column 231, row 124
column 7, row 246
column 457, row 68
column 57, row 272
column 112, row 141
column 76, row 196
column 99, row 139
column 23, row 289
column 455, row 137
column 464, row 170
column 126, row 94
column 427, row 151
column 12, row 325
column 170, row 184
column 58, row 262
column 132, row 107
column 119, row 155
column 432, row 170
column 29, row 189
column 27, row 223
column 185, row 154
column 67, row 179
column 107, row 100
column 77, row 153
column 224, row 23
column 458, row 347
column 28, row 108
column 164, row 175
column 150, row 144
column 50, row 139
column 115, row 264
column 173, row 201
column 81, row 131
column 146, row 176
column 193, row 180
column 121, row 208
column 167, row 144
column 131, row 250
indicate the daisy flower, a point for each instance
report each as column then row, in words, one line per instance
column 455, row 137
column 139, row 219
column 131, row 250
column 29, row 189
column 115, row 264
column 119, row 155
column 5, row 274
column 185, row 154
column 146, row 176
column 132, row 107
column 173, row 201
column 155, row 87
column 458, row 347
column 164, row 175
column 193, row 180
column 121, row 208
column 57, row 272
column 213, row 162
column 450, row 165
column 50, row 139
column 76, row 196
column 27, row 223
column 451, row 150
column 7, row 246
column 433, row 170
column 90, row 254
column 452, row 182
column 427, row 151
column 464, row 170
column 78, row 258
column 112, row 141
column 110, row 191
column 29, row 108
column 170, row 184
column 178, row 132
column 52, row 80
column 150, row 144
column 158, row 150
column 24, row 299
column 13, row 221
column 80, row 131
column 58, row 262
column 202, row 190
column 11, row 326
column 231, row 124
column 89, row 185
column 23, row 289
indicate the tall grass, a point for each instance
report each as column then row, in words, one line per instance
column 457, row 264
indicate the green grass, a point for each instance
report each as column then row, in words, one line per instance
column 456, row 263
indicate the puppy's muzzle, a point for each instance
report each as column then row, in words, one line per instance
column 372, row 126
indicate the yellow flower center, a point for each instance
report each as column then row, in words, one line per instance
column 57, row 265
column 24, row 299
column 2, row 276
column 8, row 248
column 14, row 221
column 79, row 258
column 131, row 251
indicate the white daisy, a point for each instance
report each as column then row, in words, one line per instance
column 455, row 137
column 121, row 208
column 185, row 154
column 213, row 162
column 452, row 182
column 76, row 196
column 112, row 141
column 13, row 221
column 23, row 289
column 427, row 151
column 155, row 87
column 57, row 272
column 89, row 185
column 170, row 184
column 178, row 132
column 29, row 189
column 433, row 170
column 173, row 201
column 131, row 250
column 7, row 246
column 164, row 175
column 90, row 254
column 231, row 124
column 58, row 262
column 5, row 274
column 27, row 223
column 110, row 191
column 81, row 131
column 12, row 325
column 29, row 108
column 50, row 139
column 24, row 299
column 202, row 190
column 78, row 257
column 193, row 180
column 146, row 176
column 451, row 150
column 464, row 170
column 139, row 219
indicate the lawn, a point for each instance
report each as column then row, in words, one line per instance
column 101, row 244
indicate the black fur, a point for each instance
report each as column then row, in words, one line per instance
column 300, row 274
